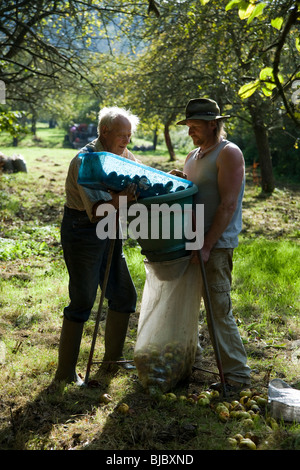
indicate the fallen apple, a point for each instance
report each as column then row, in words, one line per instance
column 247, row 443
column 244, row 400
column 214, row 394
column 243, row 415
column 261, row 401
column 250, row 403
column 205, row 394
column 238, row 437
column 246, row 393
column 255, row 408
column 252, row 436
column 170, row 396
column 193, row 396
column 233, row 442
column 235, row 404
column 227, row 405
column 221, row 407
column 224, row 416
column 123, row 408
column 105, row 398
column 272, row 423
column 191, row 400
column 182, row 398
column 203, row 401
column 247, row 423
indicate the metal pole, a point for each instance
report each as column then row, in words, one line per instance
column 103, row 292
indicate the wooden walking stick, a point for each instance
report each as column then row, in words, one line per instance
column 103, row 292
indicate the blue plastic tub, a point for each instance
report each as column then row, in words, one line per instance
column 105, row 170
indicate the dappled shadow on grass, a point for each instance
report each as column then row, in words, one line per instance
column 73, row 418
column 30, row 426
column 153, row 423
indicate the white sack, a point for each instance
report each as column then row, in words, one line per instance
column 168, row 324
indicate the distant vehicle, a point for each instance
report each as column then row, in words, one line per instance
column 80, row 134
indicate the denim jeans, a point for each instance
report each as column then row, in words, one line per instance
column 86, row 259
column 233, row 356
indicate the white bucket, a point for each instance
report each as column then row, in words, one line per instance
column 284, row 401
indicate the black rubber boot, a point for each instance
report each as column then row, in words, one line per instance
column 69, row 346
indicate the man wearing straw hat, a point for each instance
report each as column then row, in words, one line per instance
column 217, row 167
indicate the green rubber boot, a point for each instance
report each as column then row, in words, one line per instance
column 114, row 338
column 69, row 347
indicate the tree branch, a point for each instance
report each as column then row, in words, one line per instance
column 292, row 19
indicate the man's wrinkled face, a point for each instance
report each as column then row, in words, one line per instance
column 200, row 130
column 116, row 138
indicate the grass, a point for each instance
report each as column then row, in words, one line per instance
column 34, row 290
column 270, row 270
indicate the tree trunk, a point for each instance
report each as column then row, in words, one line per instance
column 155, row 139
column 262, row 142
column 169, row 142
column 33, row 125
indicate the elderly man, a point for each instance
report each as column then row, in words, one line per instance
column 86, row 255
column 216, row 166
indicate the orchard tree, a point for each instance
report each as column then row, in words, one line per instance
column 11, row 122
column 51, row 46
column 203, row 48
column 273, row 87
column 273, row 80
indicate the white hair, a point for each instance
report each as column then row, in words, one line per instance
column 106, row 117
